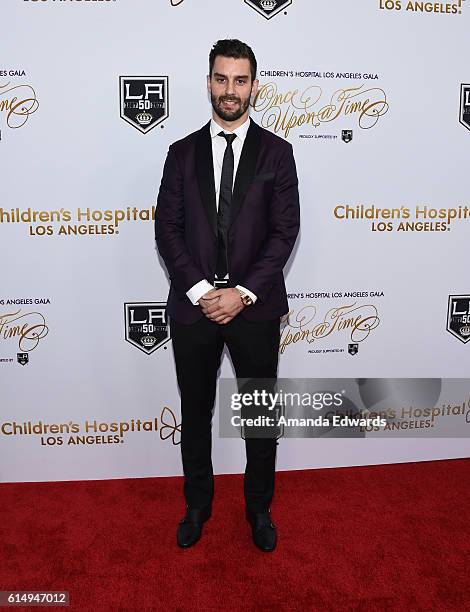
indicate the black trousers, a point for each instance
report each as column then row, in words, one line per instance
column 254, row 350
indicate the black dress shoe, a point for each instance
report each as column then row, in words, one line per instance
column 190, row 527
column 263, row 530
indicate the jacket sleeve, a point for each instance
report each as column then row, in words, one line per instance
column 284, row 223
column 170, row 228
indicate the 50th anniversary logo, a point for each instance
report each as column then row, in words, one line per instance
column 266, row 8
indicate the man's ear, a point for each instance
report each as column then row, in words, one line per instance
column 209, row 83
column 254, row 88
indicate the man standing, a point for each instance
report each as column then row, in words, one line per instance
column 226, row 222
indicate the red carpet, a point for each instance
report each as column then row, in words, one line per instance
column 393, row 537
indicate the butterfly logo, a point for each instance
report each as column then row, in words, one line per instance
column 169, row 427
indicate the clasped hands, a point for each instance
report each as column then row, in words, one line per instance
column 221, row 305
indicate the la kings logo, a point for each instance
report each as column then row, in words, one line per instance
column 146, row 325
column 465, row 106
column 268, row 8
column 458, row 317
column 144, row 101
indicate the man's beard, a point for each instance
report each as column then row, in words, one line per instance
column 228, row 115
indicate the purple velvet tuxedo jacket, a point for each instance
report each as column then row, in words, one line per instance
column 264, row 221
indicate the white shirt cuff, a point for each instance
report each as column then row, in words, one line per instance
column 198, row 290
column 245, row 290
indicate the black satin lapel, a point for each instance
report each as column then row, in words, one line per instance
column 205, row 175
column 246, row 168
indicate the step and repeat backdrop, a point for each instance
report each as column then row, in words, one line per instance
column 374, row 96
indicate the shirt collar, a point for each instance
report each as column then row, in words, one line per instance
column 241, row 131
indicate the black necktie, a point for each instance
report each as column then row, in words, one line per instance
column 225, row 200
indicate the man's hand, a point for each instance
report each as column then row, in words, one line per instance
column 208, row 299
column 221, row 305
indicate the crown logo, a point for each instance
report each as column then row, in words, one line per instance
column 465, row 330
column 268, row 5
column 148, row 341
column 144, row 118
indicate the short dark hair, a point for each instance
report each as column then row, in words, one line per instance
column 232, row 47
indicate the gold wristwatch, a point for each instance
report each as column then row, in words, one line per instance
column 246, row 299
